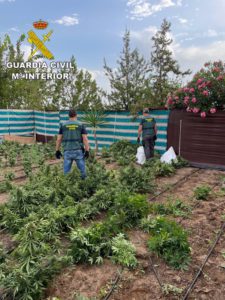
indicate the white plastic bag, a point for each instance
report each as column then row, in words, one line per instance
column 168, row 156
column 140, row 155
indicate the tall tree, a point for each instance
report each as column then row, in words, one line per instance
column 20, row 93
column 129, row 82
column 79, row 91
column 165, row 67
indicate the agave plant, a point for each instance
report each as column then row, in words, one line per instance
column 94, row 118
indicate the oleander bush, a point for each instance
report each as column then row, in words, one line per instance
column 205, row 93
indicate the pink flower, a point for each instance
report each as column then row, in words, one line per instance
column 186, row 89
column 201, row 86
column 193, row 100
column 206, row 64
column 203, row 114
column 205, row 93
column 192, row 90
column 199, row 80
column 216, row 69
column 177, row 98
column 204, row 84
column 188, row 109
column 186, row 101
column 219, row 78
column 213, row 110
column 170, row 101
column 195, row 110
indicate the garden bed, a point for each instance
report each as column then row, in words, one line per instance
column 203, row 223
column 96, row 214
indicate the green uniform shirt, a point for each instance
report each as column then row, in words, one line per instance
column 148, row 125
column 72, row 135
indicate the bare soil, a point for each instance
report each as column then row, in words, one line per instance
column 202, row 224
column 86, row 280
column 6, row 241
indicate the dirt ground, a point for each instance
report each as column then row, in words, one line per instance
column 203, row 224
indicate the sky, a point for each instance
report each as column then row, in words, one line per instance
column 92, row 30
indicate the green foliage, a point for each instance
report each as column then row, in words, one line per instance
column 96, row 176
column 2, row 253
column 93, row 243
column 38, row 218
column 35, row 153
column 50, row 205
column 80, row 90
column 9, row 176
column 163, row 65
column 205, row 93
column 162, row 169
column 94, row 119
column 27, row 163
column 21, row 93
column 138, row 180
column 129, row 83
column 20, row 284
column 105, row 152
column 5, row 186
column 175, row 208
column 12, row 156
column 179, row 162
column 202, row 192
column 123, row 251
column 123, row 149
column 168, row 240
column 131, row 208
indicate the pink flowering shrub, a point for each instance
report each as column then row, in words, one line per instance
column 204, row 94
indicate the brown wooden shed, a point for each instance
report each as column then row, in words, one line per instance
column 199, row 140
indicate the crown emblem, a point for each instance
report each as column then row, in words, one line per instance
column 40, row 24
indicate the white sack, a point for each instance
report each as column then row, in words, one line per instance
column 168, row 156
column 140, row 155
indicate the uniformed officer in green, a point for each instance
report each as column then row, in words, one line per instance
column 148, row 130
column 73, row 137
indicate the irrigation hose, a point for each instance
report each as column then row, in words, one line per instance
column 190, row 288
column 155, row 197
column 175, row 184
column 155, row 272
column 118, row 277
